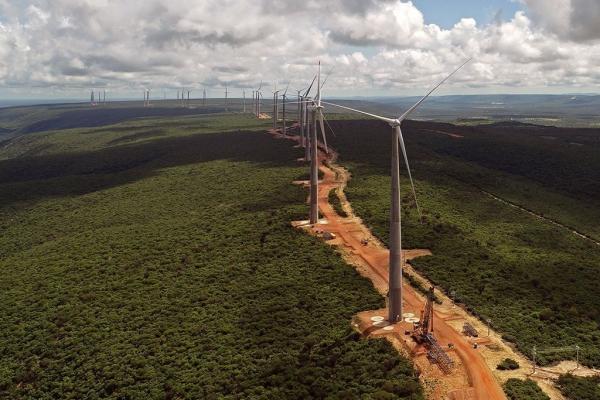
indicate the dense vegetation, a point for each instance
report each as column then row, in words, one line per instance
column 537, row 282
column 578, row 388
column 336, row 203
column 67, row 116
column 508, row 364
column 517, row 389
column 165, row 267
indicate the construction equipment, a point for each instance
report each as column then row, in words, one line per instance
column 425, row 326
column 423, row 334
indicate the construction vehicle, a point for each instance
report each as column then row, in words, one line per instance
column 424, row 327
column 423, row 334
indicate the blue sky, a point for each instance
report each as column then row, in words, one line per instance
column 446, row 13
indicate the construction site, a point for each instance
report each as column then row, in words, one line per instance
column 455, row 354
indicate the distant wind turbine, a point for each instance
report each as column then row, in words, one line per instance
column 275, row 108
column 284, row 97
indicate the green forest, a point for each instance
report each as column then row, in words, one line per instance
column 517, row 389
column 537, row 282
column 580, row 388
column 163, row 265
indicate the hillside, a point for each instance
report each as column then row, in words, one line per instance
column 164, row 266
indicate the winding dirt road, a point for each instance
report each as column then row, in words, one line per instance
column 471, row 377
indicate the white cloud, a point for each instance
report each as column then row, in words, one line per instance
column 381, row 44
column 570, row 19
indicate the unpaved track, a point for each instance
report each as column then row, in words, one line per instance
column 480, row 378
column 480, row 383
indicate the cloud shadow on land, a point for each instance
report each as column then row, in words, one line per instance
column 73, row 174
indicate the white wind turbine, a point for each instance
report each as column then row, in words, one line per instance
column 305, row 128
column 395, row 257
column 284, row 97
column 258, row 96
column 255, row 99
column 317, row 115
column 275, row 106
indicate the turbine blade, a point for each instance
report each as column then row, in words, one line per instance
column 417, row 104
column 310, row 86
column 388, row 120
column 330, row 128
column 323, row 131
column 401, row 140
column 326, row 77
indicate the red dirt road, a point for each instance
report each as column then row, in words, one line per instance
column 480, row 382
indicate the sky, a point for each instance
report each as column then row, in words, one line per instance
column 64, row 48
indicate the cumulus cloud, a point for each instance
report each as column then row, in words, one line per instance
column 383, row 44
column 577, row 20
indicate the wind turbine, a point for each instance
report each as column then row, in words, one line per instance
column 204, row 96
column 396, row 258
column 305, row 128
column 316, row 115
column 275, row 108
column 283, row 106
column 226, row 99
column 92, row 98
column 244, row 99
column 299, row 113
column 258, row 96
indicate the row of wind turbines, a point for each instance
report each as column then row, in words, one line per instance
column 311, row 118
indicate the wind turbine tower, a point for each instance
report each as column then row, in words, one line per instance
column 305, row 122
column 275, row 110
column 316, row 115
column 258, row 96
column 284, row 97
column 396, row 260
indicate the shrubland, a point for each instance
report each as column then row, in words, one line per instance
column 164, row 266
column 518, row 389
column 579, row 388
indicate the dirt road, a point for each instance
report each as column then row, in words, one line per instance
column 481, row 383
column 471, row 377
